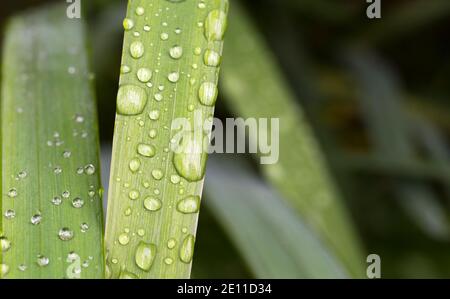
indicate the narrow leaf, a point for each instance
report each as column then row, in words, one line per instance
column 51, row 221
column 169, row 70
column 254, row 87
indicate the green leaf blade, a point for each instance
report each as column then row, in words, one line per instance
column 163, row 70
column 49, row 130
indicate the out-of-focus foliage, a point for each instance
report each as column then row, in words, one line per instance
column 376, row 93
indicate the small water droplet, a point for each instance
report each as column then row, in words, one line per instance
column 131, row 100
column 66, row 194
column 176, row 52
column 140, row 10
column 128, row 24
column 168, row 261
column 36, row 219
column 141, row 232
column 173, row 77
column 84, row 227
column 145, row 255
column 134, row 165
column 124, row 239
column 42, row 261
column 152, row 134
column 134, row 194
column 154, row 114
column 164, row 36
column 137, row 49
column 89, row 169
column 152, row 204
column 127, row 275
column 77, row 203
column 171, row 243
column 10, row 214
column 65, row 234
column 5, row 244
column 56, row 200
column 4, row 270
column 175, row 179
column 157, row 174
column 146, row 150
column 144, row 75
column 67, row 154
column 125, row 69
column 12, row 193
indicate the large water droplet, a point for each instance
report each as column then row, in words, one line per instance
column 145, row 255
column 189, row 205
column 173, row 77
column 207, row 93
column 152, row 204
column 131, row 100
column 187, row 249
column 137, row 49
column 215, row 25
column 190, row 158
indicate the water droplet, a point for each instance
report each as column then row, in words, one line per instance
column 211, row 58
column 57, row 170
column 145, row 255
column 175, row 179
column 12, row 193
column 154, row 114
column 65, row 234
column 10, row 214
column 144, row 75
column 146, row 150
column 79, row 118
column 140, row 10
column 84, row 227
column 77, row 203
column 141, row 232
column 124, row 239
column 190, row 158
column 164, row 36
column 128, row 24
column 189, row 205
column 171, row 243
column 135, row 164
column 67, row 154
column 215, row 25
column 152, row 204
column 66, row 194
column 5, row 244
column 152, row 134
column 89, row 169
column 56, row 200
column 158, row 97
column 157, row 174
column 201, row 5
column 208, row 93
column 125, row 69
column 36, row 219
column 42, row 261
column 134, row 194
column 176, row 52
column 4, row 270
column 147, row 28
column 168, row 261
column 131, row 100
column 137, row 49
column 173, row 77
column 22, row 267
column 187, row 249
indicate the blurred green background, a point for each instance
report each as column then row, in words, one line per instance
column 376, row 93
